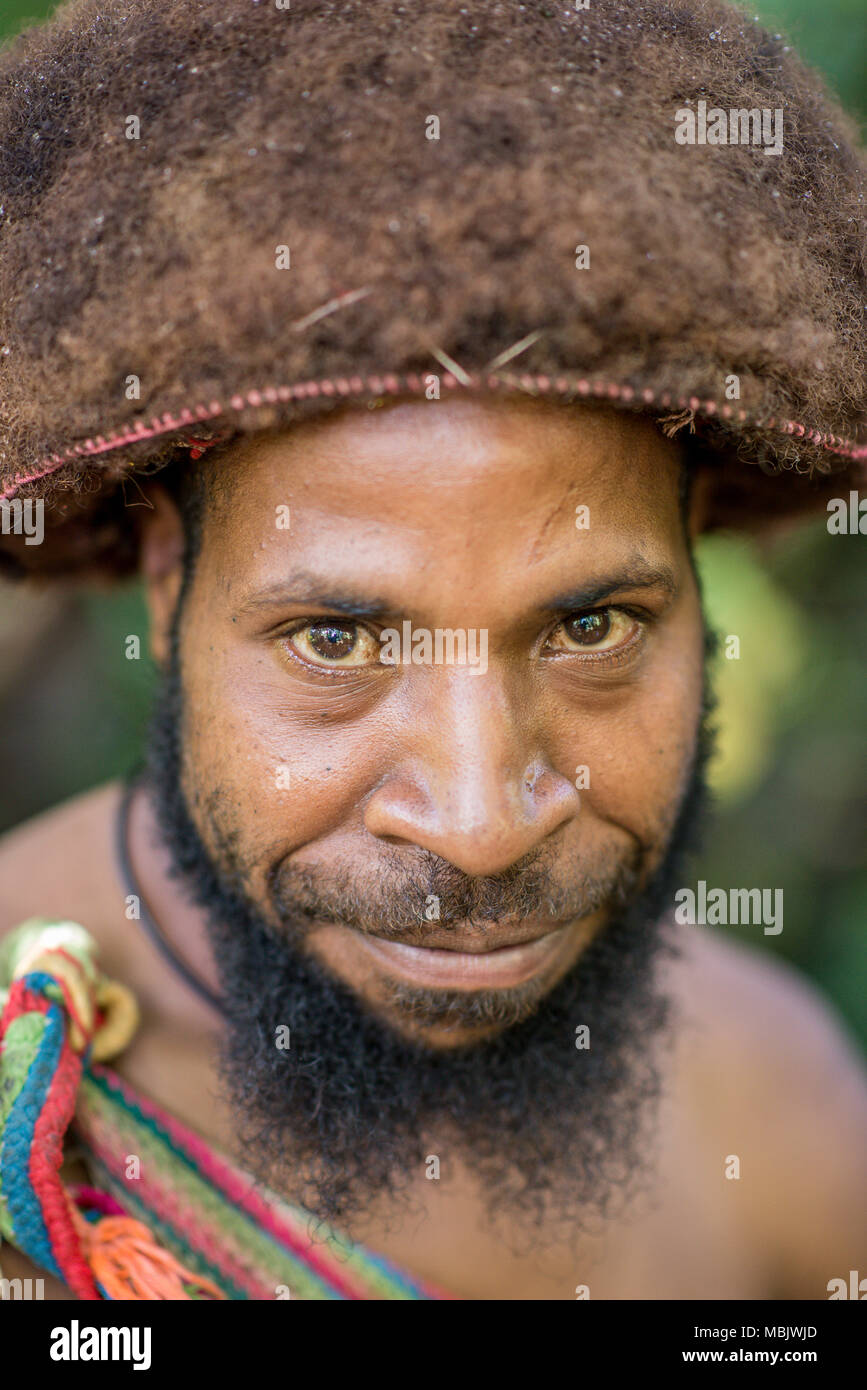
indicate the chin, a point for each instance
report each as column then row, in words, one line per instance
column 445, row 1020
column 440, row 1037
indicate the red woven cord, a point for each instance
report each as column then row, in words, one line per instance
column 46, row 1153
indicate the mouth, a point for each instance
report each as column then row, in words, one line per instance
column 464, row 961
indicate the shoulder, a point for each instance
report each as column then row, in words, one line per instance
column 776, row 1076
column 755, row 1007
column 26, row 1280
column 60, row 863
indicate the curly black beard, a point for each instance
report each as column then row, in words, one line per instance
column 347, row 1116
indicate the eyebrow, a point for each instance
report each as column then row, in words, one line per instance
column 635, row 575
column 304, row 588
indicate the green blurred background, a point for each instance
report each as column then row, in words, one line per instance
column 793, row 715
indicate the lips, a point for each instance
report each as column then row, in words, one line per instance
column 497, row 938
column 468, row 962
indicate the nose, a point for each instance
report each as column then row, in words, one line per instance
column 470, row 784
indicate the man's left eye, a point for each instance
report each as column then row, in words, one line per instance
column 603, row 630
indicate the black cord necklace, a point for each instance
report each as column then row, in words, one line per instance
column 146, row 918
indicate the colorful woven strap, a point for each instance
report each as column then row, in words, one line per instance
column 166, row 1217
column 212, row 1215
column 58, row 1011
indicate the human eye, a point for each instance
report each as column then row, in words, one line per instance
column 333, row 644
column 598, row 632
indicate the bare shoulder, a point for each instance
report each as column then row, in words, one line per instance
column 60, row 863
column 773, row 1073
column 766, row 1016
column 26, row 1281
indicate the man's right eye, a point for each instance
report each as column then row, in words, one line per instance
column 333, row 643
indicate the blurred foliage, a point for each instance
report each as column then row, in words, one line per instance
column 792, row 707
column 762, row 653
column 792, row 722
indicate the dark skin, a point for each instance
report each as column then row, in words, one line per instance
column 461, row 514
column 478, row 770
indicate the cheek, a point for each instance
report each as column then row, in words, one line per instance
column 634, row 748
column 261, row 770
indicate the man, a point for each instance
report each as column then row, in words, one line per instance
column 396, row 892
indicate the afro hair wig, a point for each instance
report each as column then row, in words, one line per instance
column 222, row 216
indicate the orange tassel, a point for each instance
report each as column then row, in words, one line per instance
column 130, row 1265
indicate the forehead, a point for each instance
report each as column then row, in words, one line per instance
column 457, row 490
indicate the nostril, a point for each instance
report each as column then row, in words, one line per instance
column 531, row 776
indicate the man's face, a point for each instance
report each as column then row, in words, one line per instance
column 453, row 835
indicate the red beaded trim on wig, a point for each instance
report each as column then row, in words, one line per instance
column 413, row 384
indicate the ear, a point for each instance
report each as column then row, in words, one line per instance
column 700, row 501
column 161, row 567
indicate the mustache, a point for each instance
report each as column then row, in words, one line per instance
column 400, row 900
